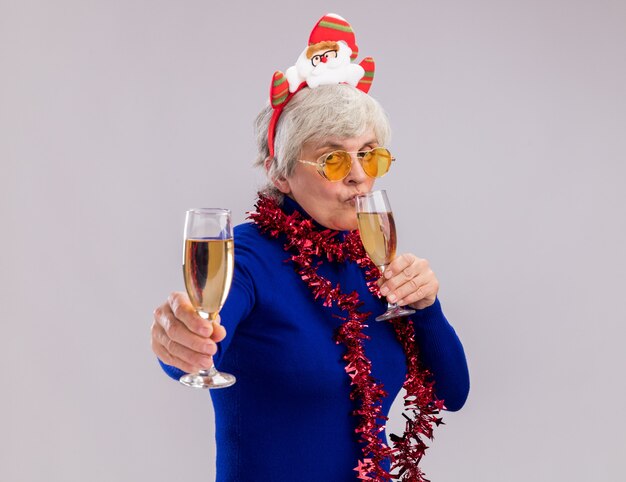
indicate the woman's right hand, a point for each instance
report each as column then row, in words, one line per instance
column 182, row 338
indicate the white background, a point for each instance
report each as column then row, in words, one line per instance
column 509, row 128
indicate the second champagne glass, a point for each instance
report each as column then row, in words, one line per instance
column 378, row 233
column 208, row 263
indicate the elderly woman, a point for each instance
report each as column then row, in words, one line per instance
column 316, row 375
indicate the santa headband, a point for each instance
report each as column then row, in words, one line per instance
column 327, row 60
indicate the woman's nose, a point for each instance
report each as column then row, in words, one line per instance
column 356, row 174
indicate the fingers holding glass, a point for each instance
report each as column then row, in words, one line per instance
column 175, row 344
column 409, row 280
column 182, row 309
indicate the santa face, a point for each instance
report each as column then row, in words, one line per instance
column 324, row 63
column 321, row 57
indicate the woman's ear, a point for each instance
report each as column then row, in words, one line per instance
column 281, row 183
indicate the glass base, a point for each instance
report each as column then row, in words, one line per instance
column 395, row 312
column 208, row 379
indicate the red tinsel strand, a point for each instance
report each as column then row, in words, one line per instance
column 305, row 241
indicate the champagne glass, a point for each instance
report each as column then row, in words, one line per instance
column 208, row 262
column 378, row 234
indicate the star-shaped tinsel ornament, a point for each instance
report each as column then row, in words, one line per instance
column 363, row 468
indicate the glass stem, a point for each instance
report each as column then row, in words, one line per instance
column 390, row 306
column 208, row 373
column 211, row 371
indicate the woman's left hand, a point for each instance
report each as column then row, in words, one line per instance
column 408, row 280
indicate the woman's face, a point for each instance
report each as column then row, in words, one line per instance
column 331, row 204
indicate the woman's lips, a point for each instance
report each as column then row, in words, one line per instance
column 352, row 200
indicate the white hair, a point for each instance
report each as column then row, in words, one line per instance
column 313, row 114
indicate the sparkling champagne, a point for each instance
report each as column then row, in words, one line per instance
column 208, row 270
column 378, row 233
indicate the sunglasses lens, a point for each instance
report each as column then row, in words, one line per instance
column 377, row 162
column 337, row 166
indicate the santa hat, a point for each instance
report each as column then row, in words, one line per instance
column 333, row 27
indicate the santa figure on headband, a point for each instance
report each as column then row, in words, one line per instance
column 328, row 57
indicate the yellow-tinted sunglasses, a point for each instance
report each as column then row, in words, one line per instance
column 336, row 165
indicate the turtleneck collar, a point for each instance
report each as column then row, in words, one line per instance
column 289, row 205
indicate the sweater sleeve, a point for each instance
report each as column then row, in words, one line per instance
column 238, row 305
column 442, row 353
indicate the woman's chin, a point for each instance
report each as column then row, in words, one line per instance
column 347, row 225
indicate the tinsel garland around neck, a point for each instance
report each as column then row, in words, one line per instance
column 304, row 240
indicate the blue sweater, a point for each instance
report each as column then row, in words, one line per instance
column 288, row 417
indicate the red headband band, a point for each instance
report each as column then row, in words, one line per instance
column 326, row 60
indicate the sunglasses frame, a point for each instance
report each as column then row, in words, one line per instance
column 320, row 164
